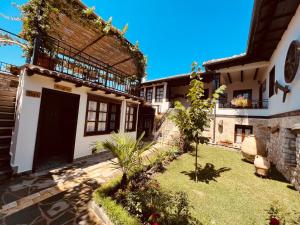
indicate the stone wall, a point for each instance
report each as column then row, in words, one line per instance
column 225, row 128
column 296, row 173
column 282, row 146
column 8, row 82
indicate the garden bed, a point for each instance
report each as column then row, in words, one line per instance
column 141, row 200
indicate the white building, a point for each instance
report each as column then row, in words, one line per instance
column 80, row 91
column 268, row 77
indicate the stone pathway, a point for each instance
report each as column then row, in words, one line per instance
column 57, row 197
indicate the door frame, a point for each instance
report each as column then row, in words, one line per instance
column 71, row 154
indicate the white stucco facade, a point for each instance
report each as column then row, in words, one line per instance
column 276, row 105
column 24, row 139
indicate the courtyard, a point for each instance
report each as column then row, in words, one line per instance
column 228, row 191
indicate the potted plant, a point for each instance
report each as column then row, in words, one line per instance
column 240, row 102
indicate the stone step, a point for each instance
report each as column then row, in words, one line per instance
column 10, row 109
column 5, row 174
column 4, row 149
column 7, row 103
column 5, row 140
column 7, row 115
column 7, row 123
column 8, row 93
column 7, row 98
column 6, row 131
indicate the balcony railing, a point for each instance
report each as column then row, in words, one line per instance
column 251, row 104
column 9, row 68
column 68, row 60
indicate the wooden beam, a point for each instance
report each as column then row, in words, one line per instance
column 255, row 74
column 242, row 76
column 122, row 61
column 229, row 78
column 90, row 44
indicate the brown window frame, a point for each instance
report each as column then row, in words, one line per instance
column 127, row 117
column 272, row 82
column 110, row 104
column 146, row 97
column 243, row 127
column 236, row 93
column 159, row 93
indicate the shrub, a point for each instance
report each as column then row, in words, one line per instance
column 279, row 215
column 147, row 201
column 117, row 214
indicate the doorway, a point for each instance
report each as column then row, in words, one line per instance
column 56, row 131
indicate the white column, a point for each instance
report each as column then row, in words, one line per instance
column 153, row 94
column 165, row 92
column 122, row 117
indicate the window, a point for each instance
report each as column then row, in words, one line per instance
column 247, row 94
column 130, row 121
column 242, row 131
column 149, row 92
column 272, row 82
column 142, row 93
column 102, row 116
column 159, row 93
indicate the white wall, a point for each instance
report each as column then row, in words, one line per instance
column 27, row 121
column 278, row 59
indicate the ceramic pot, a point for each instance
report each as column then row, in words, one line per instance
column 262, row 165
column 251, row 147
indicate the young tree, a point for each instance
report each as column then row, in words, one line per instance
column 193, row 120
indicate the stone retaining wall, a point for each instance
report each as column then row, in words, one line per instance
column 227, row 130
column 282, row 150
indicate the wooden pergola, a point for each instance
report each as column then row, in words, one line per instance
column 111, row 49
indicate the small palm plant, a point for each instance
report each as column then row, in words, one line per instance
column 127, row 150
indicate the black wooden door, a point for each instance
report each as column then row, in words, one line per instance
column 56, row 128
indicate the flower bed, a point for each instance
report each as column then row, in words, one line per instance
column 142, row 201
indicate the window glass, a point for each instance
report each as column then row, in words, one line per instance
column 149, row 92
column 92, row 105
column 130, row 118
column 159, row 94
column 102, row 117
column 90, row 126
column 91, row 116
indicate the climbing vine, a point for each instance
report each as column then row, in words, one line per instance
column 39, row 16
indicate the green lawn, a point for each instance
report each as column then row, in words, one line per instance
column 228, row 191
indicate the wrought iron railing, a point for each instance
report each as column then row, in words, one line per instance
column 68, row 60
column 251, row 104
column 9, row 68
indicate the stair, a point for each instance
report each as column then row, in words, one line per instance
column 7, row 123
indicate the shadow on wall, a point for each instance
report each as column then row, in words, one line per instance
column 207, row 174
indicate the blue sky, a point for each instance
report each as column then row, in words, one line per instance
column 172, row 33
